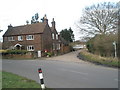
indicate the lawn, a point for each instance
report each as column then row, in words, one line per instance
column 0, row 80
column 10, row 80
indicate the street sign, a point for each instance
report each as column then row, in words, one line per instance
column 114, row 43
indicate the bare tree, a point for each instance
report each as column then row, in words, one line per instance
column 99, row 19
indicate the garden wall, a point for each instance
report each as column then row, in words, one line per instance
column 18, row 56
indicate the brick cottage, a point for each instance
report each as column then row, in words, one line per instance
column 38, row 37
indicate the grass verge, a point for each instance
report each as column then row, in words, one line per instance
column 0, row 80
column 10, row 80
column 112, row 62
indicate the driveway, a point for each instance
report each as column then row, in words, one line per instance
column 69, row 57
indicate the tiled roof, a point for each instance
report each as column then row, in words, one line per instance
column 26, row 29
column 51, row 29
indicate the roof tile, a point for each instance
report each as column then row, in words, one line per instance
column 26, row 29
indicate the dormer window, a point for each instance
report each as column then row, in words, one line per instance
column 30, row 37
column 11, row 39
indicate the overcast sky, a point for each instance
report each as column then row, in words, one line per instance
column 65, row 12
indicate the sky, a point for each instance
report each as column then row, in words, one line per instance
column 65, row 12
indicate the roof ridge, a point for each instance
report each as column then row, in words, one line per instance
column 27, row 25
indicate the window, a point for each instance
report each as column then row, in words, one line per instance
column 57, row 36
column 20, row 38
column 11, row 39
column 53, row 46
column 53, row 36
column 29, row 37
column 30, row 48
column 58, row 46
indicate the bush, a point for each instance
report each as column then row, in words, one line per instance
column 109, row 61
column 48, row 54
column 102, row 45
column 15, row 52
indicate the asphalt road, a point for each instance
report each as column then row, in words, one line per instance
column 60, row 74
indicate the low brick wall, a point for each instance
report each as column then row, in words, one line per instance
column 65, row 49
column 19, row 56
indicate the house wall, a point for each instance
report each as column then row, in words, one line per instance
column 0, row 45
column 56, row 42
column 36, row 42
column 47, row 39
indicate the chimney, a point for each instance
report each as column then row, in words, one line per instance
column 53, row 24
column 10, row 26
column 45, row 20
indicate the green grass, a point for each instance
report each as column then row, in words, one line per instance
column 10, row 80
column 0, row 80
column 109, row 61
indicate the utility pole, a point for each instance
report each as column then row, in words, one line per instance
column 114, row 44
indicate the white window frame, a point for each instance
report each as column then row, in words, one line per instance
column 57, row 36
column 11, row 38
column 53, row 46
column 58, row 46
column 30, row 37
column 20, row 38
column 53, row 36
column 30, row 48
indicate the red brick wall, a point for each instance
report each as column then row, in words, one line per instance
column 64, row 49
column 47, row 39
column 36, row 42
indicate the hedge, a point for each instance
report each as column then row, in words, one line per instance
column 108, row 61
column 14, row 52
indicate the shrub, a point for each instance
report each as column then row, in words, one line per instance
column 109, row 61
column 102, row 44
column 2, row 51
column 48, row 54
column 15, row 52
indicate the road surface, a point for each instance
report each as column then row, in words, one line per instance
column 61, row 74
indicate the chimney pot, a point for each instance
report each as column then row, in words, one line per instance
column 53, row 23
column 10, row 26
column 45, row 20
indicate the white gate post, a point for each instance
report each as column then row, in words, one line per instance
column 39, row 54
